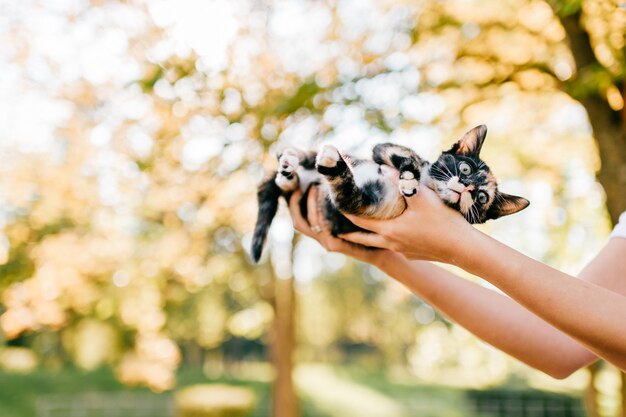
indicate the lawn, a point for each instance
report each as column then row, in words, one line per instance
column 325, row 392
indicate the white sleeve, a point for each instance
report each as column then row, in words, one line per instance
column 620, row 228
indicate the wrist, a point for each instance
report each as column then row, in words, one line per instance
column 385, row 259
column 460, row 250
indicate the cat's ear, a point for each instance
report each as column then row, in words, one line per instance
column 506, row 204
column 471, row 142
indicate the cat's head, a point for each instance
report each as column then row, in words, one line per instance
column 464, row 182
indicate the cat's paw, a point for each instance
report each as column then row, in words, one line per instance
column 288, row 161
column 328, row 157
column 408, row 185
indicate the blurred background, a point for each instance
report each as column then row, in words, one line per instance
column 133, row 134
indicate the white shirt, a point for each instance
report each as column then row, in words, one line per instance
column 620, row 228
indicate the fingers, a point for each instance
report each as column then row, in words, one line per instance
column 313, row 225
column 367, row 239
column 367, row 224
column 362, row 253
column 293, row 203
column 315, row 218
column 311, row 208
column 299, row 223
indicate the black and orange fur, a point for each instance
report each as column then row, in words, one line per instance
column 357, row 186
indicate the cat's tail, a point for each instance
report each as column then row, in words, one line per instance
column 267, row 195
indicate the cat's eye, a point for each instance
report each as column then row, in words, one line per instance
column 465, row 168
column 482, row 197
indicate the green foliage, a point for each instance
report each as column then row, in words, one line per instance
column 300, row 99
column 19, row 393
column 566, row 8
column 19, row 266
column 154, row 180
column 148, row 82
column 592, row 81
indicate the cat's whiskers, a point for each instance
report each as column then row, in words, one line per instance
column 446, row 175
column 448, row 170
column 474, row 212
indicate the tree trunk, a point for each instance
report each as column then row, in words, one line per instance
column 609, row 125
column 609, row 132
column 610, row 137
column 284, row 399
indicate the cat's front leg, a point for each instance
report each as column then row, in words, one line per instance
column 288, row 163
column 404, row 160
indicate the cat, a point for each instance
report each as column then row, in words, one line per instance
column 358, row 186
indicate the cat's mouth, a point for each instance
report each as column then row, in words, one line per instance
column 459, row 193
column 455, row 196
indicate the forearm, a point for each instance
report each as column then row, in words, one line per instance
column 494, row 318
column 593, row 315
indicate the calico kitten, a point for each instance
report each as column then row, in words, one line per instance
column 358, row 186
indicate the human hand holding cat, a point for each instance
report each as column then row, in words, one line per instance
column 323, row 236
column 426, row 230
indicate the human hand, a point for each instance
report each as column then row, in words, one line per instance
column 427, row 230
column 316, row 227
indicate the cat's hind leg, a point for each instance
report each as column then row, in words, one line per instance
column 288, row 163
column 404, row 160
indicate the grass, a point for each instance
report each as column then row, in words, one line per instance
column 324, row 392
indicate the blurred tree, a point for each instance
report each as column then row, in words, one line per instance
column 133, row 211
column 595, row 34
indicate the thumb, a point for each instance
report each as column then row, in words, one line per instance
column 366, row 239
column 365, row 223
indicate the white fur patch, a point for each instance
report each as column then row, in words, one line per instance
column 365, row 172
column 454, row 184
column 307, row 176
column 447, row 194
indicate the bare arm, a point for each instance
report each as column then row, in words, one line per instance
column 592, row 314
column 493, row 317
column 591, row 311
